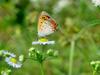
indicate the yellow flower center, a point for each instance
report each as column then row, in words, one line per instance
column 13, row 60
column 43, row 40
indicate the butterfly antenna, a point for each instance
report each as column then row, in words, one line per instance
column 60, row 30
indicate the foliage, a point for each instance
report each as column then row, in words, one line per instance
column 78, row 21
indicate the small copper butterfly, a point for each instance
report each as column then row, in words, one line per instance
column 46, row 25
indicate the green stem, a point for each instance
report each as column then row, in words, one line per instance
column 94, row 71
column 71, row 56
column 41, row 63
column 73, row 45
column 42, row 70
column 12, row 71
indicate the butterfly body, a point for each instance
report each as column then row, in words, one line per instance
column 46, row 25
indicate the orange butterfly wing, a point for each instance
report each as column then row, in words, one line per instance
column 53, row 24
column 46, row 24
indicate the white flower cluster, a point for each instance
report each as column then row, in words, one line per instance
column 60, row 5
column 96, row 2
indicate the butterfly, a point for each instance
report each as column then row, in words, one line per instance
column 46, row 24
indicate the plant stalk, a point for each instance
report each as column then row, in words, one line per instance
column 71, row 56
column 42, row 69
column 95, row 70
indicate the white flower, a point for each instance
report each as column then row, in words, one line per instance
column 13, row 62
column 5, row 52
column 96, row 2
column 43, row 41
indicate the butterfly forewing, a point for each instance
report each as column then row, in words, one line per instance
column 46, row 25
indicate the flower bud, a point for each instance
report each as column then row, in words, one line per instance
column 21, row 58
column 31, row 49
column 50, row 52
column 55, row 53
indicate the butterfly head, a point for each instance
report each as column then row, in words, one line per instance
column 44, row 16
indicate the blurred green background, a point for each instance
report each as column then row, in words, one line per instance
column 18, row 28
